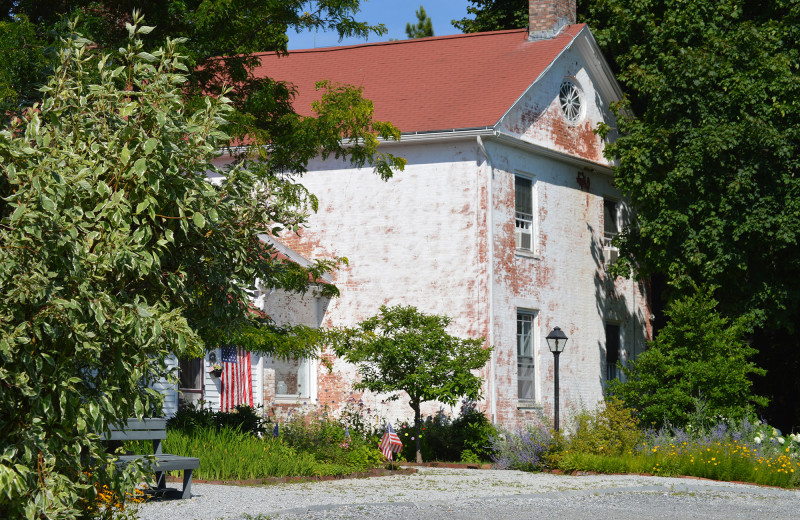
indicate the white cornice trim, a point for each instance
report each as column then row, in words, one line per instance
column 537, row 149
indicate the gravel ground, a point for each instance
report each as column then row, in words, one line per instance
column 483, row 494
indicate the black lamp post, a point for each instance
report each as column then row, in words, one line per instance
column 556, row 341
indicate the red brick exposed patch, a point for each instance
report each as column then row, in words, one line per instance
column 577, row 140
column 334, row 388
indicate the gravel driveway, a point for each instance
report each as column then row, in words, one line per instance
column 483, row 494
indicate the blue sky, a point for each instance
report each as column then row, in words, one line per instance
column 394, row 14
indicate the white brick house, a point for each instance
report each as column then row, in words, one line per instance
column 501, row 219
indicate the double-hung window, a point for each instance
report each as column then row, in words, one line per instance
column 190, row 381
column 525, row 352
column 610, row 229
column 612, row 351
column 523, row 209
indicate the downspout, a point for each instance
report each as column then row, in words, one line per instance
column 490, row 230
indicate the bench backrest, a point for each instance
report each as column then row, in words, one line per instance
column 136, row 430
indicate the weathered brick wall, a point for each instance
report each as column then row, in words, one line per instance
column 537, row 117
column 564, row 283
column 422, row 239
column 546, row 17
column 414, row 240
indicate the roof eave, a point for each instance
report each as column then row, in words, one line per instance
column 526, row 146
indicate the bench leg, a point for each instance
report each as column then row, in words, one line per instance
column 187, row 483
column 161, row 479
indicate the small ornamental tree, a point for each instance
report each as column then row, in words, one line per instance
column 403, row 349
column 699, row 356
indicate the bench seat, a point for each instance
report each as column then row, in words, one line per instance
column 155, row 430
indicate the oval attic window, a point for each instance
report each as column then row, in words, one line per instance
column 571, row 99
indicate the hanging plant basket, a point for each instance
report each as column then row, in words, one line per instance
column 216, row 372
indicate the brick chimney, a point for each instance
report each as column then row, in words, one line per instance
column 547, row 17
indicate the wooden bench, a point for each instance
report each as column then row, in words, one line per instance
column 155, row 430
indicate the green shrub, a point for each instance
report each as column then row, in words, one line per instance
column 468, row 457
column 245, row 419
column 323, row 435
column 698, row 355
column 445, row 439
column 610, row 429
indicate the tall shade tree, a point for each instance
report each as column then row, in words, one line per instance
column 494, row 15
column 403, row 349
column 709, row 154
column 115, row 251
column 423, row 28
column 236, row 29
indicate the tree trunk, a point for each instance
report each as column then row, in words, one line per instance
column 417, row 424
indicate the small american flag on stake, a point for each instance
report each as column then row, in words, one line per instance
column 390, row 442
column 237, row 378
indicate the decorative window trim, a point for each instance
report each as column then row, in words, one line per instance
column 528, row 400
column 525, row 226
column 572, row 101
column 611, row 208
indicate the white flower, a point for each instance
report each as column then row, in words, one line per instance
column 775, row 432
column 757, row 440
column 781, row 440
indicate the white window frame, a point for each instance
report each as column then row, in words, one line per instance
column 191, row 395
column 610, row 252
column 531, row 317
column 304, row 372
column 525, row 222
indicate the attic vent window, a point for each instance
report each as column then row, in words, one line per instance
column 571, row 99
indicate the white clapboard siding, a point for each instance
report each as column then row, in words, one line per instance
column 170, row 391
column 211, row 385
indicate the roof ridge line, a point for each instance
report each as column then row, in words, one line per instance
column 396, row 42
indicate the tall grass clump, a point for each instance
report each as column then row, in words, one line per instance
column 226, row 453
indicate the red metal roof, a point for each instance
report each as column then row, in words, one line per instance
column 439, row 83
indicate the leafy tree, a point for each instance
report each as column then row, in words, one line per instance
column 709, row 154
column 698, row 356
column 115, row 251
column 21, row 70
column 494, row 15
column 236, row 29
column 423, row 27
column 403, row 349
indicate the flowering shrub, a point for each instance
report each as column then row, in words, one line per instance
column 745, row 451
column 525, row 449
column 107, row 504
column 771, row 441
column 612, row 428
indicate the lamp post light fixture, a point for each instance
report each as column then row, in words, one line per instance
column 556, row 341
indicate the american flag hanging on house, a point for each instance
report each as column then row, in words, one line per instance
column 390, row 442
column 237, row 378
